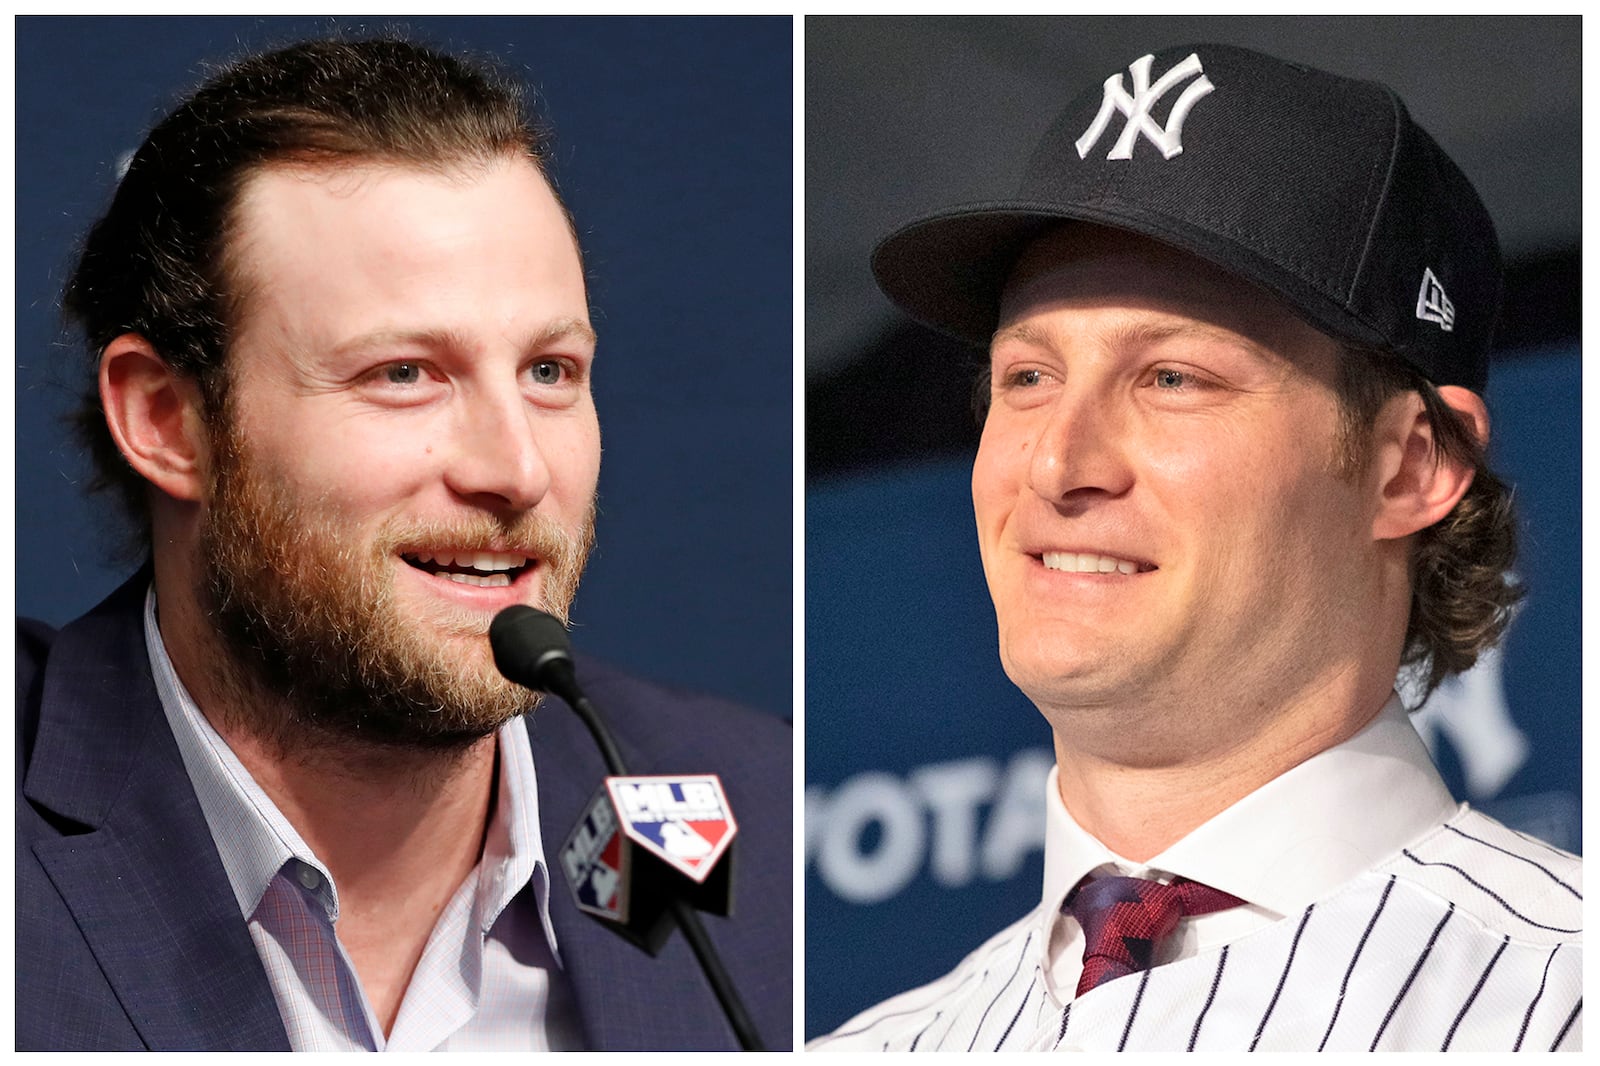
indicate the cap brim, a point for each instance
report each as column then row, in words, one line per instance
column 949, row 270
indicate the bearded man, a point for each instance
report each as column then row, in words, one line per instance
column 273, row 793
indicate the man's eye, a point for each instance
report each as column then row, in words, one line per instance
column 1167, row 378
column 548, row 372
column 403, row 373
column 1024, row 378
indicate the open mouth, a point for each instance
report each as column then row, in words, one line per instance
column 484, row 569
column 1091, row 563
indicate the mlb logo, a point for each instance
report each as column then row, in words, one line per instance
column 684, row 821
column 596, row 862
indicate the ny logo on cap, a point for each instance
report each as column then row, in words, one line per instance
column 1432, row 304
column 1137, row 108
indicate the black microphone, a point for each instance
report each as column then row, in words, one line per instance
column 532, row 648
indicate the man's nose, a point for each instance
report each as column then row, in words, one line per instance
column 1081, row 450
column 497, row 462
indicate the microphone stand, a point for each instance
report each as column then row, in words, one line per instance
column 560, row 680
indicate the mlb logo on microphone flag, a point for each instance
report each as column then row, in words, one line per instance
column 684, row 821
column 596, row 862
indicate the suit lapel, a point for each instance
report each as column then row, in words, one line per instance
column 627, row 1000
column 144, row 884
column 146, row 887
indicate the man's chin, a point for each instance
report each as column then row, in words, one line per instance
column 404, row 679
column 445, row 711
column 1064, row 673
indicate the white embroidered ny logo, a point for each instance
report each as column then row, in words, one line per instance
column 1137, row 108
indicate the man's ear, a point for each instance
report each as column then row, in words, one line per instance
column 1418, row 482
column 155, row 416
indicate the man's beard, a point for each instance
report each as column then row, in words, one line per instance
column 316, row 649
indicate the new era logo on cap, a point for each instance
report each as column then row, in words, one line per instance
column 1432, row 304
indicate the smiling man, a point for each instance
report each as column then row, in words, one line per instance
column 274, row 792
column 1230, row 484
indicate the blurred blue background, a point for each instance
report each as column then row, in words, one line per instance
column 673, row 149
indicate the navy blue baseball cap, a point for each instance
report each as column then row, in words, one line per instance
column 1318, row 188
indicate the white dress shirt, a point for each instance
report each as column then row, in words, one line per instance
column 1291, row 842
column 1379, row 915
column 489, row 977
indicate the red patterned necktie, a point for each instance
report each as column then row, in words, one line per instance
column 1125, row 919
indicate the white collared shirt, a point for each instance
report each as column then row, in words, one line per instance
column 1291, row 842
column 1379, row 915
column 489, row 977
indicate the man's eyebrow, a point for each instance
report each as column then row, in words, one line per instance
column 565, row 329
column 1019, row 332
column 450, row 339
column 1133, row 333
column 1145, row 332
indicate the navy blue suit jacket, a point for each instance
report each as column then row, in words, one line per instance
column 128, row 935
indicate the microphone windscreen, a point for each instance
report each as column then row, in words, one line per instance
column 525, row 641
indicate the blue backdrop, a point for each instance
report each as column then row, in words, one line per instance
column 673, row 151
column 925, row 766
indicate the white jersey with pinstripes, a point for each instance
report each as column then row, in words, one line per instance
column 1466, row 936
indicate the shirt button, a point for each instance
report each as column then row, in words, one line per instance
column 308, row 877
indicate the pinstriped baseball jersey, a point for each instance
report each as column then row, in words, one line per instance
column 1462, row 935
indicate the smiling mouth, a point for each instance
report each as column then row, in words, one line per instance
column 484, row 569
column 1090, row 563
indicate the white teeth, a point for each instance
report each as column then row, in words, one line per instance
column 484, row 562
column 496, row 561
column 1087, row 563
column 481, row 580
